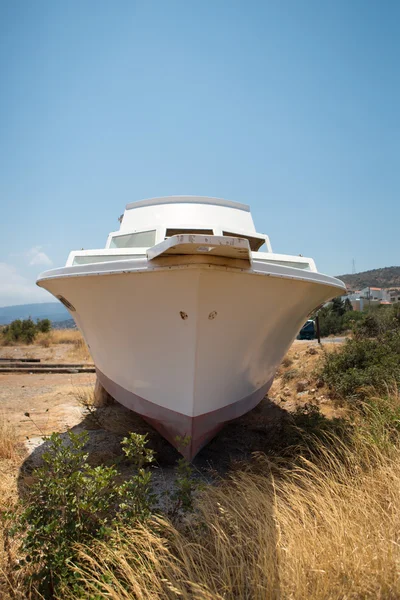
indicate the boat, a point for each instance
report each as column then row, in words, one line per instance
column 188, row 312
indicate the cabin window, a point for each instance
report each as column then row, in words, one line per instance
column 171, row 232
column 287, row 263
column 255, row 242
column 88, row 260
column 141, row 239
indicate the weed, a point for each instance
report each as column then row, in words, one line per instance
column 86, row 399
column 287, row 362
column 182, row 496
column 137, row 498
column 289, row 375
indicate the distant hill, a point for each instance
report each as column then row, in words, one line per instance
column 386, row 277
column 54, row 311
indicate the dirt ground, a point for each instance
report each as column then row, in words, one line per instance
column 39, row 404
column 62, row 353
column 49, row 398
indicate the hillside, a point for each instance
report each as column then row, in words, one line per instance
column 385, row 277
column 54, row 311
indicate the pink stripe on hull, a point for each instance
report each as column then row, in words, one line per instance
column 171, row 424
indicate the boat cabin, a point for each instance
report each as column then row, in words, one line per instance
column 149, row 222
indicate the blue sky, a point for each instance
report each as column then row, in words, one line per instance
column 291, row 107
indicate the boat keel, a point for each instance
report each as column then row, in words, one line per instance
column 186, row 433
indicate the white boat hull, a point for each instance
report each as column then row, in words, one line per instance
column 189, row 347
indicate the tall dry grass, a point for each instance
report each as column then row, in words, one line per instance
column 65, row 336
column 8, row 439
column 326, row 527
column 78, row 349
column 44, row 339
column 11, row 587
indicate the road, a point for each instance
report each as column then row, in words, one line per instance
column 328, row 340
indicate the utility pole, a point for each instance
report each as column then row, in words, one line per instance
column 318, row 331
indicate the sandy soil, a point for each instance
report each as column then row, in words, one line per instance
column 49, row 398
column 53, row 403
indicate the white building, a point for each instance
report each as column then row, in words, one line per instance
column 394, row 295
column 371, row 296
column 375, row 293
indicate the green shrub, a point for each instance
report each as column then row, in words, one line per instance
column 137, row 500
column 351, row 318
column 339, row 317
column 182, row 496
column 72, row 502
column 378, row 321
column 330, row 323
column 69, row 502
column 43, row 325
column 185, row 485
column 24, row 330
column 363, row 362
column 289, row 375
column 337, row 306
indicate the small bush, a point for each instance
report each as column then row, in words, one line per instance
column 339, row 317
column 379, row 321
column 69, row 502
column 24, row 331
column 137, row 499
column 371, row 359
column 72, row 502
column 289, row 375
column 20, row 331
column 287, row 362
column 43, row 325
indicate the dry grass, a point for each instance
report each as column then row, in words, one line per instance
column 8, row 498
column 8, row 439
column 44, row 339
column 79, row 350
column 10, row 457
column 340, row 539
column 267, row 540
column 322, row 529
column 5, row 342
column 72, row 337
column 85, row 397
column 65, row 336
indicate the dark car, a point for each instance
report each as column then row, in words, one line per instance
column 307, row 332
